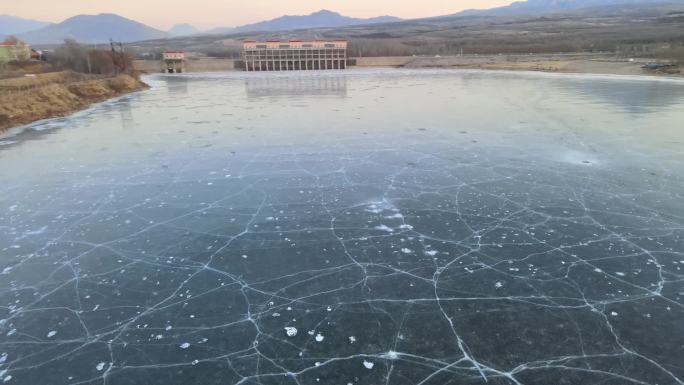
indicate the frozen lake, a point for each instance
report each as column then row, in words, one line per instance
column 366, row 227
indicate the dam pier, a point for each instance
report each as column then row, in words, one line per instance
column 295, row 55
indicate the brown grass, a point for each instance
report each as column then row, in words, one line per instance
column 55, row 95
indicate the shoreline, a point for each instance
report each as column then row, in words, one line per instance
column 51, row 96
column 551, row 63
column 590, row 63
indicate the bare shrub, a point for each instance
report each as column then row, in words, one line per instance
column 76, row 57
column 673, row 52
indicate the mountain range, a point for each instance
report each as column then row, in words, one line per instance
column 102, row 27
column 320, row 19
column 542, row 6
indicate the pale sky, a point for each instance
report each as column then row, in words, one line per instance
column 205, row 14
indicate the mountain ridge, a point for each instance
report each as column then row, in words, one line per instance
column 93, row 29
column 13, row 25
column 184, row 29
column 543, row 6
column 320, row 19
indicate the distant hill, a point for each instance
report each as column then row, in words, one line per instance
column 12, row 25
column 320, row 19
column 544, row 6
column 183, row 30
column 93, row 29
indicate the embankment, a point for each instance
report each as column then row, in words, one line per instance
column 25, row 100
column 589, row 63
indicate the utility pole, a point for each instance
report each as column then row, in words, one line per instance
column 111, row 46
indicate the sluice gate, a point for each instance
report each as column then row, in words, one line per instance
column 295, row 55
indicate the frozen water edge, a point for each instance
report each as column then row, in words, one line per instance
column 62, row 121
column 392, row 72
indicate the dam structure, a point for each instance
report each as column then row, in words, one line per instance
column 295, row 55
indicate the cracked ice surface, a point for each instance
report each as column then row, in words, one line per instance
column 400, row 227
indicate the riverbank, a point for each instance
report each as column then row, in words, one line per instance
column 29, row 99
